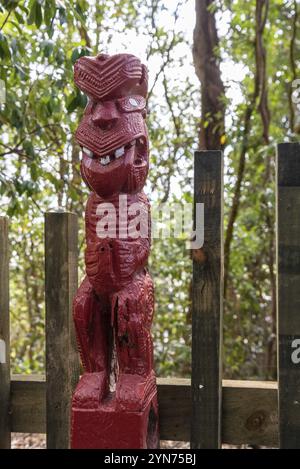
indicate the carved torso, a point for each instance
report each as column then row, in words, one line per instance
column 111, row 262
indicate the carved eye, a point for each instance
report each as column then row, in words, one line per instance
column 133, row 102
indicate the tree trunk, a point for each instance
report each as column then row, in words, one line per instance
column 206, row 61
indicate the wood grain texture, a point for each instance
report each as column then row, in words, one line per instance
column 62, row 361
column 249, row 409
column 28, row 403
column 4, row 337
column 288, row 292
column 207, row 300
column 250, row 413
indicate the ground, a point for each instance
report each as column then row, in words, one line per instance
column 38, row 441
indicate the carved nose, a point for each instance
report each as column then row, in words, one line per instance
column 105, row 117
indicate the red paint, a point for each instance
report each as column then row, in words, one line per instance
column 115, row 402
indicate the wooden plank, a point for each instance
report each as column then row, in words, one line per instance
column 249, row 409
column 288, row 292
column 207, row 298
column 28, row 403
column 174, row 403
column 4, row 337
column 62, row 362
column 250, row 413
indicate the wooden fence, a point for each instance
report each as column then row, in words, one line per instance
column 206, row 410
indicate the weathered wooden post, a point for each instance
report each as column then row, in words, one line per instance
column 207, row 304
column 4, row 337
column 115, row 402
column 288, row 292
column 62, row 364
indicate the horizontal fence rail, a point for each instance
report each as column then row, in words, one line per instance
column 249, row 409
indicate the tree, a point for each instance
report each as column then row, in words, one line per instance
column 206, row 61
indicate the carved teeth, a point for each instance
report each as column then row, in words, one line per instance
column 119, row 152
column 87, row 152
column 104, row 161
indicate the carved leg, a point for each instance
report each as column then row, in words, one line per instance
column 134, row 312
column 92, row 324
column 133, row 317
column 136, row 395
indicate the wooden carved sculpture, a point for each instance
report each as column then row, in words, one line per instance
column 115, row 402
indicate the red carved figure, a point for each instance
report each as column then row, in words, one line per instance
column 115, row 402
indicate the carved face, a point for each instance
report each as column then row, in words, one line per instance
column 112, row 133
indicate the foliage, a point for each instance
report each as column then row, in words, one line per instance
column 250, row 325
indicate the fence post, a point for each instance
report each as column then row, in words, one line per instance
column 62, row 363
column 288, row 292
column 207, row 308
column 4, row 337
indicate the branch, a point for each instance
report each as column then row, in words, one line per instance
column 169, row 103
column 262, row 8
column 6, row 19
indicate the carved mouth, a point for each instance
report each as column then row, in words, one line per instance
column 140, row 153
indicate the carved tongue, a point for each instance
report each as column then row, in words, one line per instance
column 130, row 153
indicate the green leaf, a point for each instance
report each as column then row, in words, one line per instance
column 19, row 18
column 35, row 13
column 16, row 25
column 79, row 52
column 10, row 4
column 16, row 118
column 47, row 47
column 32, row 9
column 49, row 12
column 60, row 57
column 4, row 48
column 73, row 101
column 34, row 173
column 28, row 147
column 38, row 15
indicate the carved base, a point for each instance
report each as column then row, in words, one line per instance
column 113, row 426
